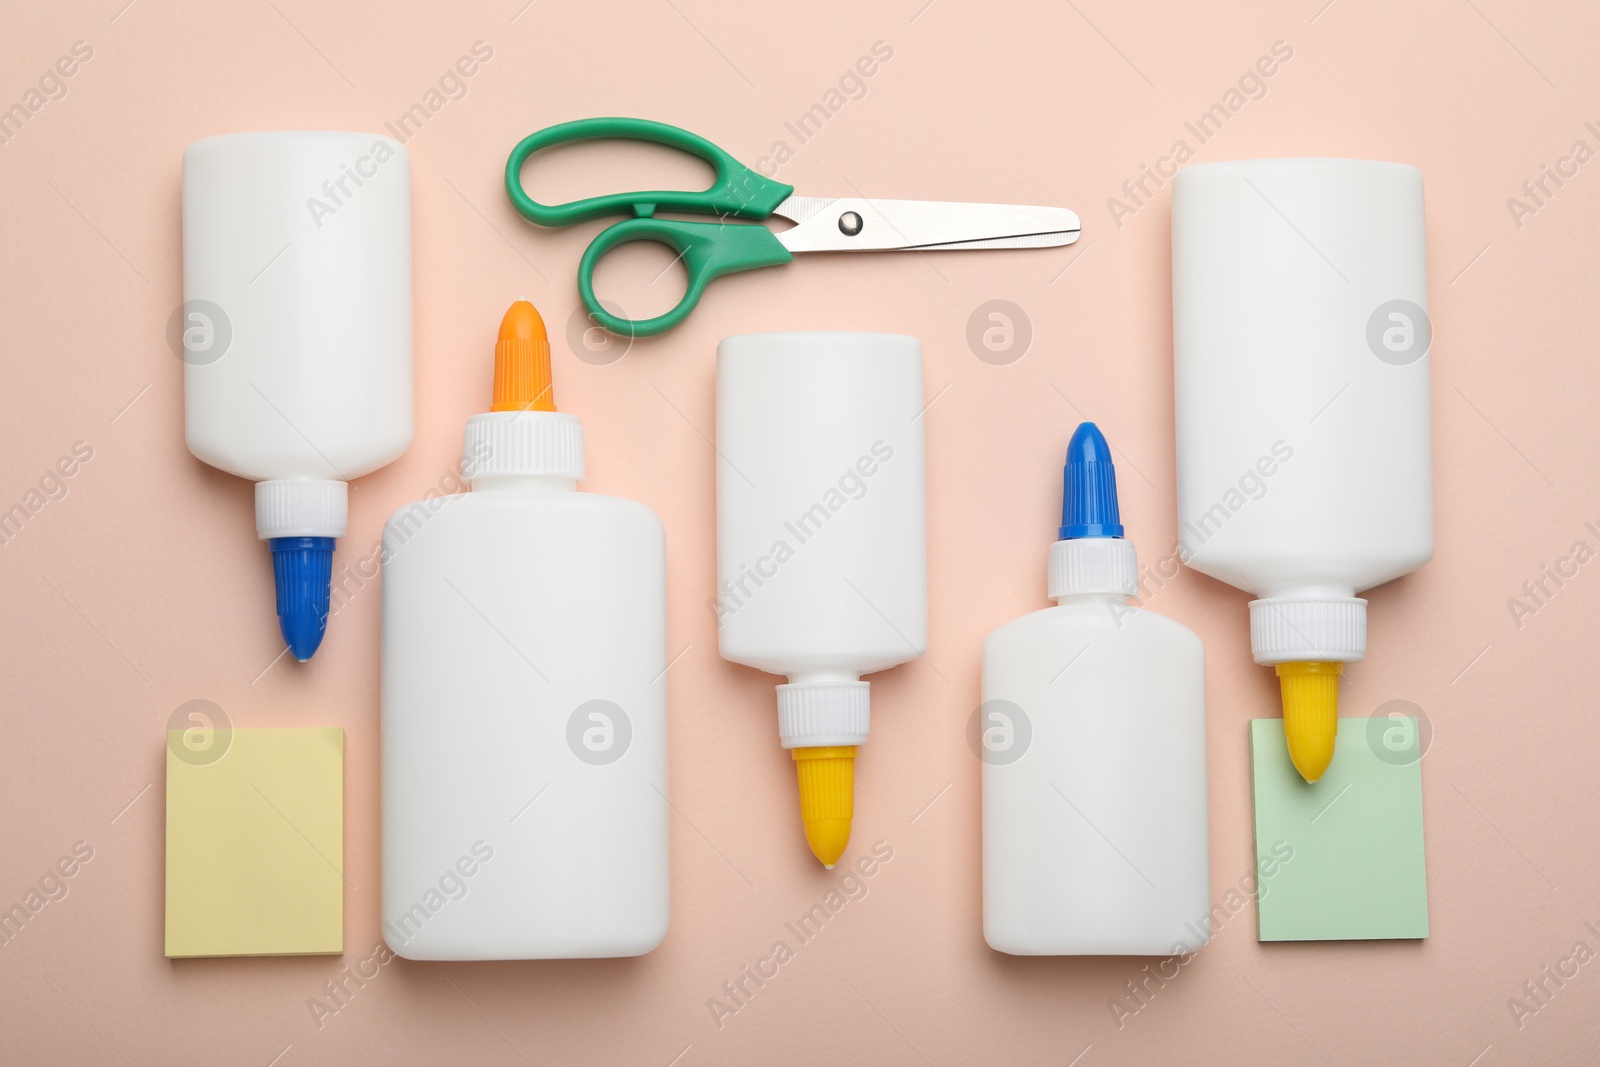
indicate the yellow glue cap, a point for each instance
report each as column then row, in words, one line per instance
column 827, row 798
column 1310, row 714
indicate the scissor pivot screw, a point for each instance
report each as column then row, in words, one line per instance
column 850, row 224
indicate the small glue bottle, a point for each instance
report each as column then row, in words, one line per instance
column 1092, row 733
column 524, row 696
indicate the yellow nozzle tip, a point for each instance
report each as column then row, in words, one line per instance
column 1310, row 715
column 828, row 839
column 827, row 798
column 522, row 362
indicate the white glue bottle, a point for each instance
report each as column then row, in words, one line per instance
column 524, row 696
column 1305, row 464
column 296, row 336
column 1092, row 733
column 822, row 553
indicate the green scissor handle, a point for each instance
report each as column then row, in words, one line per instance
column 708, row 250
column 737, row 190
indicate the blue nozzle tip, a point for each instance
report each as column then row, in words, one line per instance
column 302, row 569
column 303, row 634
column 1089, row 487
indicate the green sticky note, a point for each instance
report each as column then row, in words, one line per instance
column 255, row 842
column 1341, row 859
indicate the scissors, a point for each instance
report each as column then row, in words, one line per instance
column 710, row 250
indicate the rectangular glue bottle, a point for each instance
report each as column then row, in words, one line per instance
column 524, row 696
column 1092, row 734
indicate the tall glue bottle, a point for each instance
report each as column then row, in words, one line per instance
column 524, row 696
column 1092, row 733
column 822, row 553
column 1301, row 353
column 296, row 336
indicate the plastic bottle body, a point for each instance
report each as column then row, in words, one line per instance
column 1302, row 374
column 821, row 503
column 297, row 289
column 1093, row 738
column 524, row 716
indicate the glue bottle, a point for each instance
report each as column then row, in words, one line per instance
column 822, row 555
column 524, row 696
column 296, row 336
column 1305, row 464
column 1092, row 733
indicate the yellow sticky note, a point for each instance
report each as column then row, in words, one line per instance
column 255, row 842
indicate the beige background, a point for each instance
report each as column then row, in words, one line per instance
column 143, row 586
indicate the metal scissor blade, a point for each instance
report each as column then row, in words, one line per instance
column 1027, row 240
column 859, row 224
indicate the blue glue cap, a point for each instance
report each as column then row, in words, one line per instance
column 1089, row 487
column 302, row 568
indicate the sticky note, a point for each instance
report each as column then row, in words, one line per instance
column 255, row 842
column 1341, row 859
